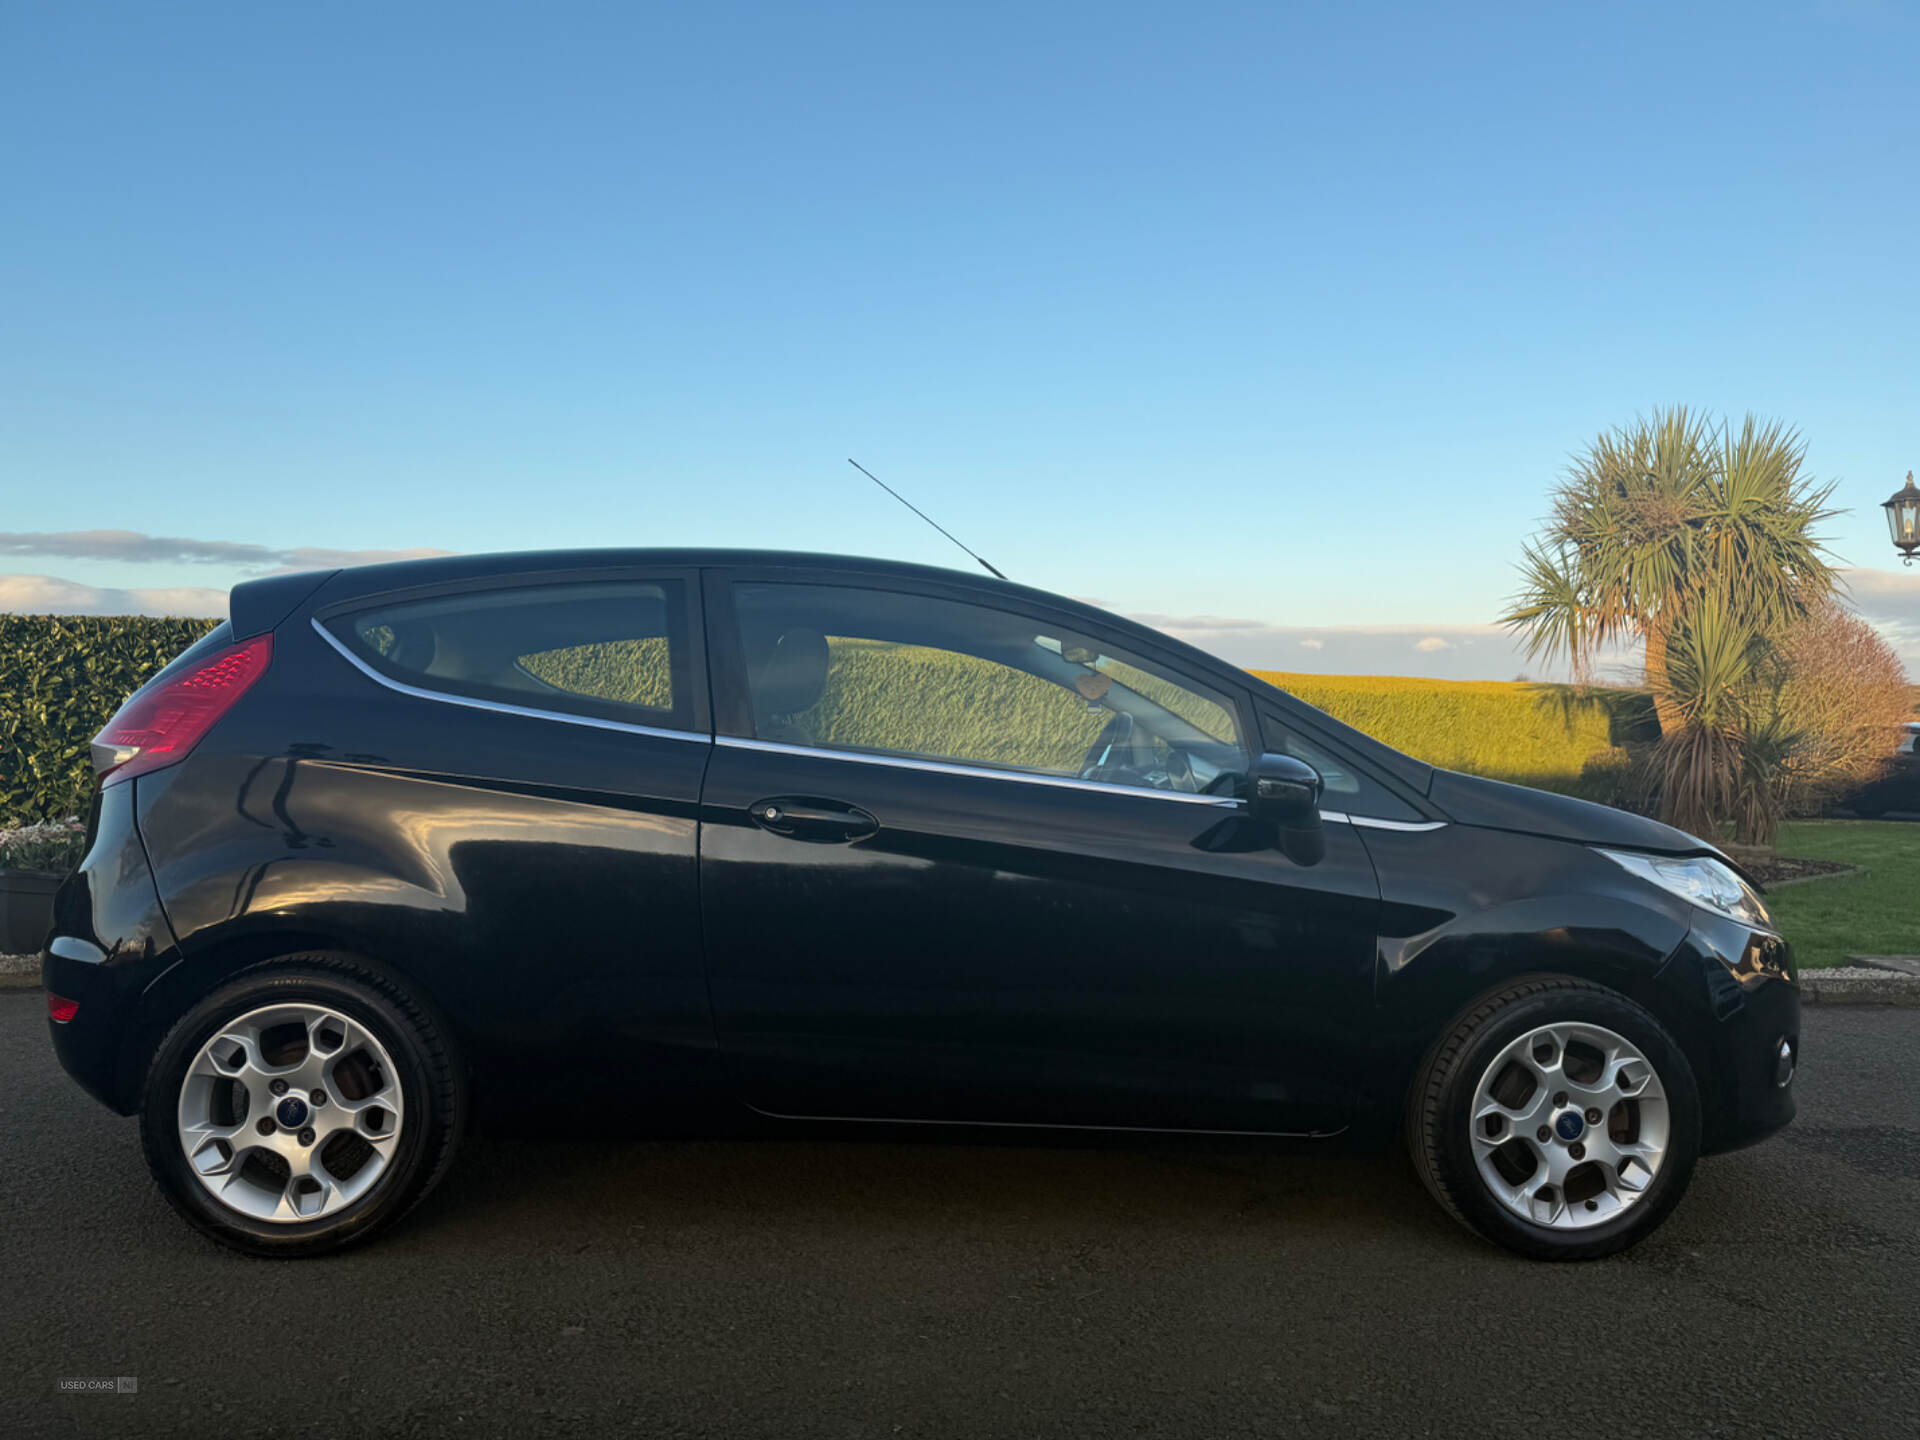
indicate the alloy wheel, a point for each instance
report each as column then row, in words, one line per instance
column 1570, row 1125
column 290, row 1112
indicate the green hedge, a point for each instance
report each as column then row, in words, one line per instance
column 963, row 708
column 1557, row 737
column 61, row 679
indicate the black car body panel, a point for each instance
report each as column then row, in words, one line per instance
column 1156, row 981
column 538, row 879
column 1464, row 913
column 934, row 942
column 1496, row 805
column 257, row 606
column 110, row 941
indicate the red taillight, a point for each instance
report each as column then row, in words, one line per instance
column 159, row 727
column 60, row 1008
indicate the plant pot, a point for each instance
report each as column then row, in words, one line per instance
column 26, row 910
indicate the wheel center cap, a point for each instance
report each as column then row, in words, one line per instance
column 1569, row 1127
column 291, row 1112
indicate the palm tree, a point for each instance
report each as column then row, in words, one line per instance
column 1673, row 523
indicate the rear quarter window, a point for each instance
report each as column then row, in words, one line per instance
column 607, row 650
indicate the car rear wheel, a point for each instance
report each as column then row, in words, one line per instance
column 302, row 1107
column 1557, row 1118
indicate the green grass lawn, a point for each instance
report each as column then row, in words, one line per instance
column 1873, row 914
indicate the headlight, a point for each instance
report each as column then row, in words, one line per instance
column 1700, row 879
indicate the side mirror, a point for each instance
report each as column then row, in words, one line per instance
column 1285, row 791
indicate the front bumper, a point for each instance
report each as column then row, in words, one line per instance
column 1738, row 999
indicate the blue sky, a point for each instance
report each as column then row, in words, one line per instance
column 1281, row 314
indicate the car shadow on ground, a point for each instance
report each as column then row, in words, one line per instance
column 854, row 1181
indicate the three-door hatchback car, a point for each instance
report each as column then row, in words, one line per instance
column 843, row 840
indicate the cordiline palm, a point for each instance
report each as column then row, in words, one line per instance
column 1722, row 754
column 1655, row 516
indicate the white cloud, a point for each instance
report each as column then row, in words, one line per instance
column 1439, row 652
column 1888, row 599
column 48, row 595
column 131, row 546
column 24, row 594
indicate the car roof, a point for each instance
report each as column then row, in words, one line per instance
column 430, row 570
column 362, row 581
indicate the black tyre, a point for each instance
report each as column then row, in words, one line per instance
column 302, row 1106
column 1556, row 1118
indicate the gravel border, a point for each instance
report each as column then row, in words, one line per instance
column 1859, row 985
column 19, row 972
column 1900, row 964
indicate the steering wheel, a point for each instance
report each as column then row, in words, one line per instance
column 1116, row 734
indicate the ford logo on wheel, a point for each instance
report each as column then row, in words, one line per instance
column 1570, row 1125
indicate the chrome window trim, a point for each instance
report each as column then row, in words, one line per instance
column 903, row 762
column 1374, row 823
column 947, row 767
column 1065, row 782
column 499, row 707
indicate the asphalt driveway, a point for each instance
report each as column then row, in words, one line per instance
column 748, row 1287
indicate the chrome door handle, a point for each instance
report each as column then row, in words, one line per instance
column 805, row 818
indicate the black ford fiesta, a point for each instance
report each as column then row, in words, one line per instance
column 851, row 841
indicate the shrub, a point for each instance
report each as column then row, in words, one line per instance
column 61, row 678
column 54, row 847
column 1843, row 694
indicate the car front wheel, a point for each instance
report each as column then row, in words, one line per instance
column 302, row 1107
column 1556, row 1118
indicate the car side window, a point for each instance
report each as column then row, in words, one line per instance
column 1346, row 788
column 613, row 650
column 893, row 673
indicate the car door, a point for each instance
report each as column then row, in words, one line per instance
column 939, row 884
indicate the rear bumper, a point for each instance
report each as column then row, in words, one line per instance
column 110, row 940
column 90, row 1045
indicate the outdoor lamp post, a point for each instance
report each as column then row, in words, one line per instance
column 1903, row 519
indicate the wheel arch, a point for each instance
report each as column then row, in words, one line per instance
column 199, row 972
column 1419, row 1002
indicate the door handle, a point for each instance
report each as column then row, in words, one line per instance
column 801, row 818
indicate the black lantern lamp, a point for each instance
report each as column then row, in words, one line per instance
column 1903, row 519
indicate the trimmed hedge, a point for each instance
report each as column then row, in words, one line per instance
column 61, row 679
column 633, row 672
column 963, row 708
column 1556, row 737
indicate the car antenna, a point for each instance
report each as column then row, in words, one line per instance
column 921, row 513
